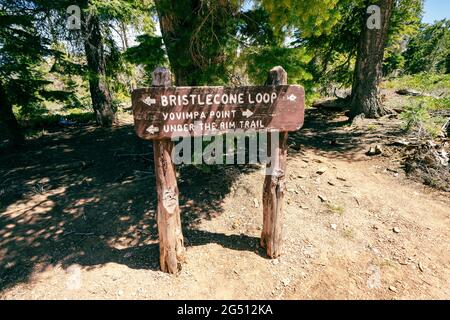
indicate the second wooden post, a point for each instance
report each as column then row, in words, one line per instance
column 275, row 183
column 171, row 246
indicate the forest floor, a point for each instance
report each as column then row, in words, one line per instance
column 77, row 221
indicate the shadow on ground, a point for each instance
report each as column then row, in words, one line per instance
column 87, row 196
column 330, row 133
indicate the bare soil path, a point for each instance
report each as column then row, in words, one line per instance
column 77, row 221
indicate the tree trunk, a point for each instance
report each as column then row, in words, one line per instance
column 123, row 30
column 7, row 117
column 194, row 33
column 368, row 74
column 100, row 94
column 176, row 32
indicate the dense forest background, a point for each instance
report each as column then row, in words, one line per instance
column 51, row 72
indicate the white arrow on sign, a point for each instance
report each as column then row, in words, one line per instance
column 152, row 129
column 247, row 113
column 149, row 101
column 292, row 97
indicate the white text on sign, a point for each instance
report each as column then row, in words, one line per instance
column 217, row 99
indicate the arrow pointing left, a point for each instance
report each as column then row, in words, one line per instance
column 149, row 101
column 152, row 129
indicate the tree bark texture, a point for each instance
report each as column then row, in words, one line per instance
column 95, row 56
column 171, row 247
column 368, row 73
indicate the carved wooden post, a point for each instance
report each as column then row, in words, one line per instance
column 171, row 248
column 274, row 183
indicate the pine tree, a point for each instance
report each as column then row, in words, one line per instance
column 21, row 50
column 196, row 34
column 366, row 99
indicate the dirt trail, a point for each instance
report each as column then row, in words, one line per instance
column 86, row 230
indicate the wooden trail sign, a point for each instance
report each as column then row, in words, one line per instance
column 161, row 112
column 275, row 184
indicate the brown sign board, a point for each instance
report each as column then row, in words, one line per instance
column 166, row 112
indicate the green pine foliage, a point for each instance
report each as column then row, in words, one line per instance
column 22, row 51
column 429, row 50
column 149, row 53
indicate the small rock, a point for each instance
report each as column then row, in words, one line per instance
column 321, row 170
column 120, row 293
column 408, row 92
column 401, row 143
column 275, row 262
column 127, row 255
column 341, row 178
column 393, row 289
column 333, row 226
column 375, row 150
column 396, row 230
column 331, row 183
column 286, row 282
column 322, row 198
column 256, row 203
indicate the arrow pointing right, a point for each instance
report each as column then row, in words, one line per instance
column 247, row 113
